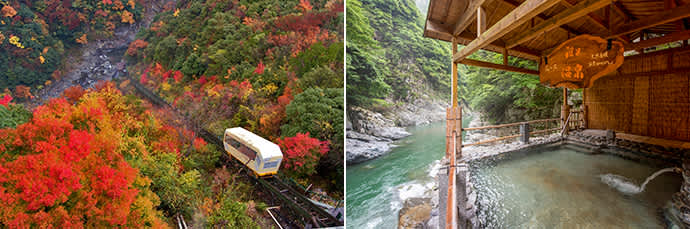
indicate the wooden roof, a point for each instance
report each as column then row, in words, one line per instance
column 629, row 21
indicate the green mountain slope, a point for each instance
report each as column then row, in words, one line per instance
column 389, row 61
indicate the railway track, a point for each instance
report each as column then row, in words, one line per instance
column 303, row 209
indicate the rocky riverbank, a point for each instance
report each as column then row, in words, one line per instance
column 371, row 134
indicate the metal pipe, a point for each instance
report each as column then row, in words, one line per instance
column 273, row 217
column 451, row 214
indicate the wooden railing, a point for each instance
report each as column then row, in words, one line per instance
column 576, row 119
column 541, row 126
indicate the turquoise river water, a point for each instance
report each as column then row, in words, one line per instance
column 377, row 188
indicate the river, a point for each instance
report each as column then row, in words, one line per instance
column 376, row 189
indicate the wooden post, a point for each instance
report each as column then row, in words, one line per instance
column 453, row 145
column 454, row 84
column 524, row 132
column 481, row 21
column 584, row 108
column 505, row 56
column 565, row 111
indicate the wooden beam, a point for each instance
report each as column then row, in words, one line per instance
column 468, row 16
column 676, row 36
column 595, row 18
column 497, row 46
column 498, row 66
column 481, row 21
column 651, row 21
column 454, row 83
column 508, row 23
column 621, row 9
column 544, row 17
column 466, row 37
column 563, row 17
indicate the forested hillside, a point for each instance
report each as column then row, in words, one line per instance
column 388, row 62
column 35, row 35
column 272, row 67
column 387, row 58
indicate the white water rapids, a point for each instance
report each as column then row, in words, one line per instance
column 625, row 185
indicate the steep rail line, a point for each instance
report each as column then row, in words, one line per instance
column 303, row 209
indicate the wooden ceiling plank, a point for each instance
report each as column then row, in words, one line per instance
column 544, row 17
column 566, row 16
column 651, row 21
column 468, row 16
column 498, row 66
column 677, row 36
column 508, row 23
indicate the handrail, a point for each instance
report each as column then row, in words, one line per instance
column 544, row 131
column 491, row 127
column 510, row 125
column 491, row 140
column 543, row 120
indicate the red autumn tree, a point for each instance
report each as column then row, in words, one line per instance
column 53, row 173
column 63, row 168
column 73, row 93
column 177, row 76
column 143, row 79
column 302, row 153
column 5, row 100
column 259, row 68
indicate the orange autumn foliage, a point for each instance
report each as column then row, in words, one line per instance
column 82, row 40
column 135, row 46
column 8, row 11
column 304, row 5
column 73, row 93
column 127, row 17
column 22, row 91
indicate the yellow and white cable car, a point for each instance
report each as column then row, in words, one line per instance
column 262, row 156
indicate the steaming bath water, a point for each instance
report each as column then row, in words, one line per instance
column 561, row 187
column 625, row 185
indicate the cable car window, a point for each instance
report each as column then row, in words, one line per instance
column 235, row 144
column 271, row 164
column 251, row 154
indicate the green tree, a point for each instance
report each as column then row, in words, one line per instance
column 13, row 115
column 319, row 112
column 321, row 77
column 177, row 191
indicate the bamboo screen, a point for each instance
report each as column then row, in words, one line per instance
column 649, row 96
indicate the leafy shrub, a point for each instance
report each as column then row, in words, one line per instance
column 231, row 214
column 12, row 115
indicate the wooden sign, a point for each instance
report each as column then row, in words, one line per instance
column 578, row 62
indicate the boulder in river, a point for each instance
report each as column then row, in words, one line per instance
column 415, row 213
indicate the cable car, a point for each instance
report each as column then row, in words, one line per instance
column 261, row 156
